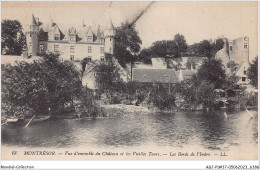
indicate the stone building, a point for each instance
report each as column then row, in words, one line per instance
column 237, row 52
column 72, row 44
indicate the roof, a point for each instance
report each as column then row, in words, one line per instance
column 240, row 66
column 33, row 20
column 188, row 72
column 111, row 26
column 154, row 75
column 81, row 32
column 196, row 59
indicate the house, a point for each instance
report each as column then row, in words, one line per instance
column 241, row 72
column 236, row 51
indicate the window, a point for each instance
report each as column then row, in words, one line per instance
column 243, row 79
column 245, row 45
column 72, row 49
column 230, row 48
column 89, row 58
column 245, row 72
column 56, row 48
column 89, row 49
column 41, row 47
column 102, row 50
column 72, row 57
column 72, row 38
column 56, row 37
column 110, row 49
column 89, row 38
column 102, row 58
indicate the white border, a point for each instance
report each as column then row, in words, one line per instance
column 130, row 164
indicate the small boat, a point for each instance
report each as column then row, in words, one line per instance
column 14, row 121
column 38, row 119
column 23, row 122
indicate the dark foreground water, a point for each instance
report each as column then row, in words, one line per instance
column 175, row 130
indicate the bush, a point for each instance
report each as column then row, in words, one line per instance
column 42, row 84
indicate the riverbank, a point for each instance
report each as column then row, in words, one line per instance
column 111, row 110
column 104, row 111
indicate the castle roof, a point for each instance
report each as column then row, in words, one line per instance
column 111, row 24
column 96, row 30
column 33, row 20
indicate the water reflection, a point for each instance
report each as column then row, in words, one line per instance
column 178, row 130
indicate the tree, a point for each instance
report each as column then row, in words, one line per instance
column 180, row 44
column 200, row 88
column 13, row 40
column 172, row 48
column 145, row 56
column 209, row 49
column 107, row 75
column 127, row 43
column 46, row 83
column 205, row 48
column 219, row 44
column 253, row 73
column 212, row 71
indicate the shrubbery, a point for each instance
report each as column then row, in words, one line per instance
column 38, row 86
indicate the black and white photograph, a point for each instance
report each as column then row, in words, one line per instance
column 129, row 80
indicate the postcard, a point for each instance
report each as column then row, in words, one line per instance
column 125, row 80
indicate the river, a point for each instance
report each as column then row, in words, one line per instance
column 212, row 131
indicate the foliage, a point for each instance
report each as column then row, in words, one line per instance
column 219, row 44
column 85, row 107
column 161, row 97
column 163, row 48
column 199, row 90
column 172, row 48
column 145, row 56
column 213, row 72
column 180, row 44
column 107, row 75
column 13, row 40
column 205, row 94
column 127, row 44
column 42, row 84
column 205, row 48
column 253, row 73
column 209, row 49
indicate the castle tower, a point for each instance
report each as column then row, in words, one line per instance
column 239, row 50
column 32, row 37
column 109, row 35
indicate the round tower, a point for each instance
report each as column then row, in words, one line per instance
column 109, row 35
column 32, row 38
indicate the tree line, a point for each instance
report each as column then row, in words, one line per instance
column 51, row 83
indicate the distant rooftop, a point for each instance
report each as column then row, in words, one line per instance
column 155, row 75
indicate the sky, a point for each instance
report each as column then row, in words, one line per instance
column 197, row 21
